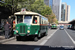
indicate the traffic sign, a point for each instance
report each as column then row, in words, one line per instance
column 23, row 10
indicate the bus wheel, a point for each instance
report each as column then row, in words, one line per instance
column 45, row 34
column 18, row 38
column 36, row 38
column 39, row 35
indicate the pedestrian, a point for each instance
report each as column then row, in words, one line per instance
column 7, row 30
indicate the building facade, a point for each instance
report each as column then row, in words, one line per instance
column 56, row 7
column 51, row 3
column 65, row 12
column 47, row 2
column 68, row 13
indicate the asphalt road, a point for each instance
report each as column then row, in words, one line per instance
column 60, row 38
column 30, row 41
column 56, row 39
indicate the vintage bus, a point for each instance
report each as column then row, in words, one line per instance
column 54, row 26
column 30, row 24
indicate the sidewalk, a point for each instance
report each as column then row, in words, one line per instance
column 2, row 38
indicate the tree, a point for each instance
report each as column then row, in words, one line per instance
column 25, row 4
column 12, row 3
column 46, row 11
column 38, row 6
column 18, row 4
column 53, row 17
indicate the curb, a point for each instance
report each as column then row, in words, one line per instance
column 2, row 41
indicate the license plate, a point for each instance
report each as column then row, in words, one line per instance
column 22, row 33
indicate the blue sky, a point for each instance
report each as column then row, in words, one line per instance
column 72, row 8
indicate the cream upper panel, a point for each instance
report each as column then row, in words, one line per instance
column 25, row 13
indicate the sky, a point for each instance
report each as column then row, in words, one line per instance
column 72, row 8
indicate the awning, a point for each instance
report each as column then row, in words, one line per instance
column 72, row 22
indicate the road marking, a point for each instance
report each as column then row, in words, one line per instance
column 48, row 38
column 43, row 42
column 51, row 35
column 37, row 49
column 68, row 46
column 62, row 46
column 70, row 37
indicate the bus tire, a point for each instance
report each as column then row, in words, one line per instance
column 18, row 38
column 36, row 38
column 45, row 34
column 39, row 35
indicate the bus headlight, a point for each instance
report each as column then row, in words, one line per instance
column 28, row 27
column 28, row 31
column 17, row 27
column 16, row 31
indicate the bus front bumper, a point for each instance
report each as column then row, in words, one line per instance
column 25, row 35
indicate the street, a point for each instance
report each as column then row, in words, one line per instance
column 56, row 39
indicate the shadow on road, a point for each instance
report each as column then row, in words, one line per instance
column 30, row 47
column 72, row 29
column 29, row 38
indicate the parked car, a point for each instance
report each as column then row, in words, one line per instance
column 61, row 27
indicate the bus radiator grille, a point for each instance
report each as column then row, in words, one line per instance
column 22, row 29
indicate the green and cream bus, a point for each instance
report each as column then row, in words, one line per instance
column 30, row 24
column 54, row 26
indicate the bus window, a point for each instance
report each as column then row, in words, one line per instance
column 34, row 20
column 28, row 19
column 19, row 18
column 40, row 20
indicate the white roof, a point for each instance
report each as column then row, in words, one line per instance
column 27, row 12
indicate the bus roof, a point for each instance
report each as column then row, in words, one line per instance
column 28, row 13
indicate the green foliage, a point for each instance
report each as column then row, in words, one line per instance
column 38, row 6
column 25, row 4
column 56, row 21
column 32, row 5
column 52, row 18
column 46, row 11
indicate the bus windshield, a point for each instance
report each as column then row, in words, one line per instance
column 28, row 19
column 61, row 26
column 19, row 18
column 53, row 24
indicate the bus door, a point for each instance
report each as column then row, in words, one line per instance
column 35, row 24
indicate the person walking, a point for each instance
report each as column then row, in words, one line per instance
column 7, row 30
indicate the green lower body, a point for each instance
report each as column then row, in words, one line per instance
column 54, row 27
column 35, row 32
